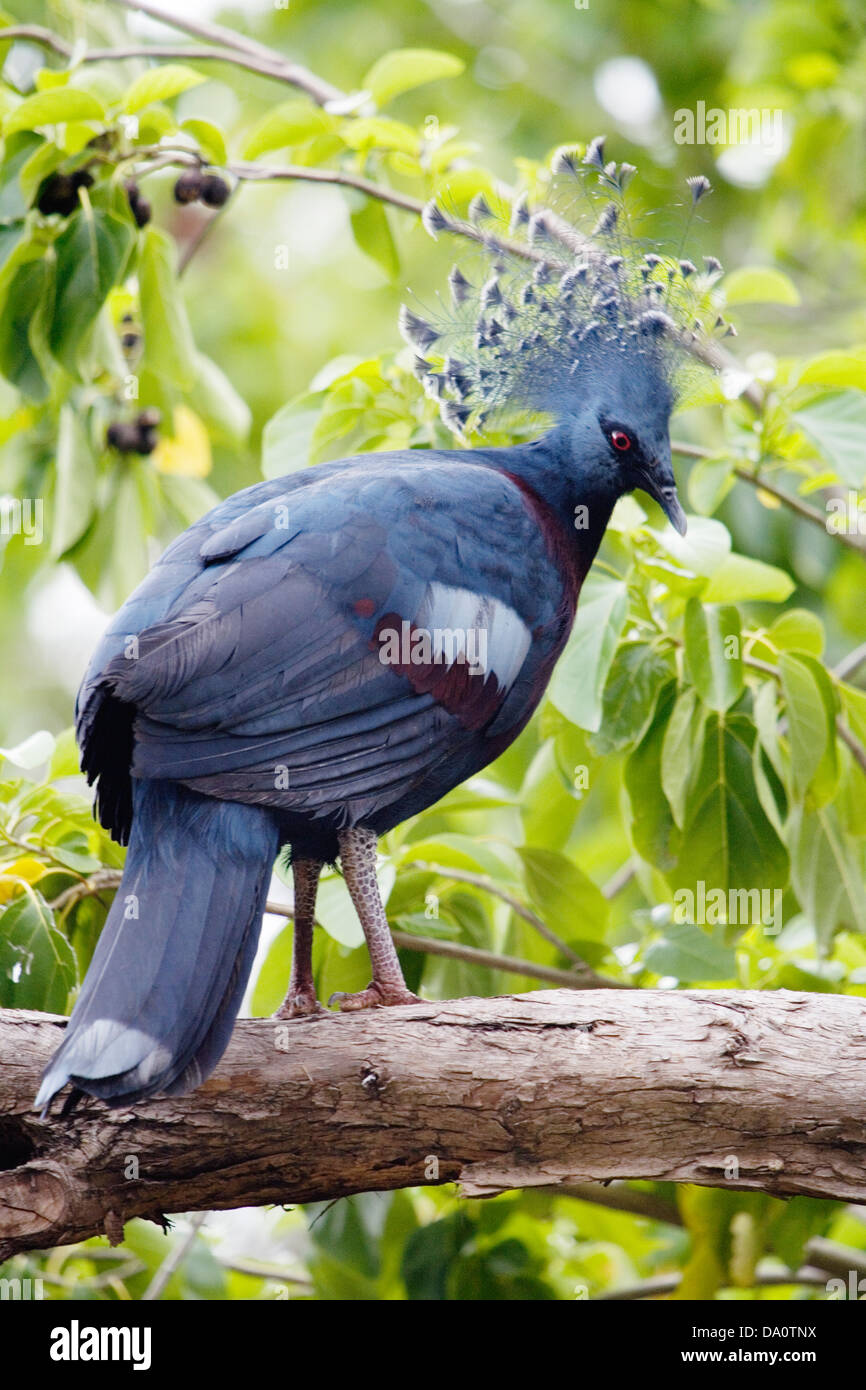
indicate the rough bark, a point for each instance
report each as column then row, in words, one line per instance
column 727, row 1089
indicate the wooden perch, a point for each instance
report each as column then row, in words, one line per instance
column 728, row 1089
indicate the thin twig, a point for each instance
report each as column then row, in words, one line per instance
column 849, row 739
column 786, row 499
column 321, row 91
column 34, row 33
column 195, row 53
column 197, row 241
column 850, row 663
column 621, row 879
column 619, row 1196
column 261, row 1271
column 488, row 885
column 455, row 950
column 174, row 1258
column 661, row 1284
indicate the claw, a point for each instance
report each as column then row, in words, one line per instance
column 375, row 996
column 300, row 1004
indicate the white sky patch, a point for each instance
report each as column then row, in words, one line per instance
column 65, row 622
column 750, row 164
column 626, row 88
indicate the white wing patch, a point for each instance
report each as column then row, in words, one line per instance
column 484, row 631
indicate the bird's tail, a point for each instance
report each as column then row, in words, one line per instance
column 156, row 1010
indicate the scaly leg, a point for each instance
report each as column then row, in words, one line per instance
column 358, row 861
column 301, row 999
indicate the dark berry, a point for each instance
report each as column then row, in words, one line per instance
column 139, row 206
column 122, row 436
column 188, row 187
column 59, row 193
column 214, row 191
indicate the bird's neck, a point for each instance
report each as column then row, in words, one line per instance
column 581, row 501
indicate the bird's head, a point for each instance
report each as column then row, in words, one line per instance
column 588, row 331
column 618, row 438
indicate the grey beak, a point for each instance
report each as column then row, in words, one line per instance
column 670, row 505
column 663, row 489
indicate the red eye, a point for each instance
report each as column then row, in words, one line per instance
column 620, row 440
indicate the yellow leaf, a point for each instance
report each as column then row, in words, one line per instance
column 28, row 868
column 767, row 499
column 187, row 451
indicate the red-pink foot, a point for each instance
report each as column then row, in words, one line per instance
column 375, row 996
column 300, row 1003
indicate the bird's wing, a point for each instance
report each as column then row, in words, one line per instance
column 288, row 664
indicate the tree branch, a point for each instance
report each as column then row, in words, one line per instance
column 785, row 499
column 197, row 53
column 321, row 91
column 727, row 1089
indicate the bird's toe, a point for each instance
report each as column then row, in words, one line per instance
column 375, row 996
column 300, row 1004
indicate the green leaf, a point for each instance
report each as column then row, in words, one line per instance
column 381, row 133
column 92, row 253
column 372, row 232
column 169, row 346
column 681, row 751
column 580, row 675
column 64, row 759
column 160, row 84
column 727, row 839
column 710, row 481
column 287, row 439
column 811, row 705
column 211, row 141
column 75, row 483
column 770, row 789
column 836, row 423
column 290, row 123
column 565, row 898
column 51, row 107
column 739, row 579
column 706, row 546
column 273, row 978
column 218, row 403
column 460, row 852
column 18, row 151
column 26, row 296
column 638, row 672
column 691, row 955
column 835, row 369
column 128, row 560
column 798, row 630
column 712, row 653
column 654, row 832
column 760, row 285
column 37, row 963
column 826, row 872
column 406, row 68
